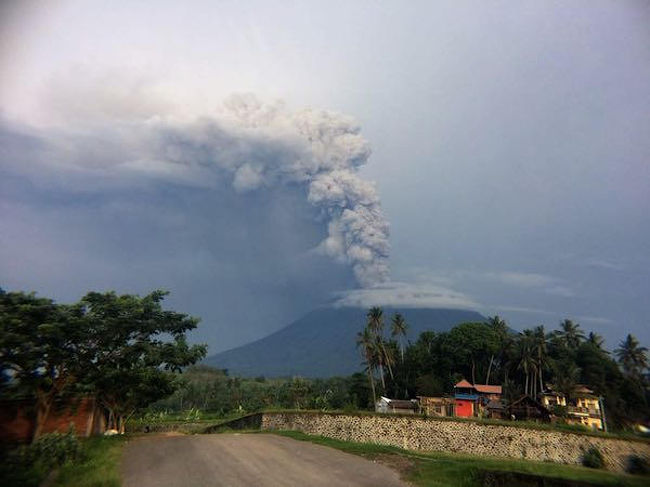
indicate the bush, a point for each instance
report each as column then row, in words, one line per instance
column 638, row 465
column 592, row 458
column 52, row 450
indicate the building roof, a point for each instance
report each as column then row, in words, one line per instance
column 495, row 404
column 583, row 389
column 486, row 389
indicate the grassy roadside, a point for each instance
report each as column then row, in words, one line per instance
column 99, row 466
column 445, row 469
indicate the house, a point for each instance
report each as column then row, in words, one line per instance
column 17, row 418
column 496, row 409
column 471, row 399
column 396, row 406
column 528, row 409
column 583, row 407
column 436, row 405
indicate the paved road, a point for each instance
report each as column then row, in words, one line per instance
column 235, row 460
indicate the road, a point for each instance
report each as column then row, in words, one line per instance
column 235, row 460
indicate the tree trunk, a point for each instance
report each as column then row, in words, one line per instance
column 487, row 379
column 43, row 407
column 372, row 386
column 473, row 372
column 526, row 389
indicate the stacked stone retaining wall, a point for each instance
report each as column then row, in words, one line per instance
column 427, row 434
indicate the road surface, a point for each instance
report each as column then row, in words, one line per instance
column 235, row 460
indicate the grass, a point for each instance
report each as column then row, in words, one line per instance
column 446, row 469
column 99, row 467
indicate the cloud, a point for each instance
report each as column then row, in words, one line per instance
column 406, row 295
column 248, row 145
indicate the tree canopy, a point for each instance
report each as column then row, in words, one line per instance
column 120, row 348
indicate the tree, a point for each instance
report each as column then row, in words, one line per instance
column 596, row 340
column 471, row 344
column 632, row 356
column 398, row 329
column 500, row 330
column 375, row 324
column 39, row 350
column 570, row 334
column 540, row 350
column 366, row 343
column 131, row 359
column 526, row 358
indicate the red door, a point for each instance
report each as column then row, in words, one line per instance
column 464, row 409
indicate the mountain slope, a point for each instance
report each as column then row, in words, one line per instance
column 322, row 343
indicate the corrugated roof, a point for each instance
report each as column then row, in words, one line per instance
column 464, row 383
column 487, row 389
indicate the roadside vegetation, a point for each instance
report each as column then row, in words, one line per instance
column 447, row 469
column 64, row 460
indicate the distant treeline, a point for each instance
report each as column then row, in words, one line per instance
column 213, row 390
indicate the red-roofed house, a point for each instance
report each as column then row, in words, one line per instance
column 472, row 398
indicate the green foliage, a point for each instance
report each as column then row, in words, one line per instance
column 52, row 450
column 212, row 391
column 592, row 458
column 28, row 465
column 122, row 349
column 97, row 467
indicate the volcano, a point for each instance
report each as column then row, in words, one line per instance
column 323, row 342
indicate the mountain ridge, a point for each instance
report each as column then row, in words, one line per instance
column 322, row 342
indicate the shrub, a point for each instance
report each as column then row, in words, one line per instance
column 592, row 458
column 638, row 465
column 52, row 450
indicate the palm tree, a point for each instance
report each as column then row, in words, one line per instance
column 570, row 334
column 541, row 352
column 632, row 356
column 526, row 357
column 366, row 342
column 566, row 377
column 501, row 330
column 398, row 329
column 596, row 340
column 375, row 323
column 375, row 320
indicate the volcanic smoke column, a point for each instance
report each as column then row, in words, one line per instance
column 327, row 151
column 256, row 145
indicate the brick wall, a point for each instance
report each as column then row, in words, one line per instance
column 17, row 419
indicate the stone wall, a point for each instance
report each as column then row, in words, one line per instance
column 468, row 437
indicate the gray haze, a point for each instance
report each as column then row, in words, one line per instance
column 510, row 150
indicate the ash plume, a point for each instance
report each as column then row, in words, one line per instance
column 248, row 145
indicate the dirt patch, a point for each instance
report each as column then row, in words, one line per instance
column 403, row 465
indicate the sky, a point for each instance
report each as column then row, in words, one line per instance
column 260, row 159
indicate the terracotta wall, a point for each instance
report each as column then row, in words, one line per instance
column 17, row 419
